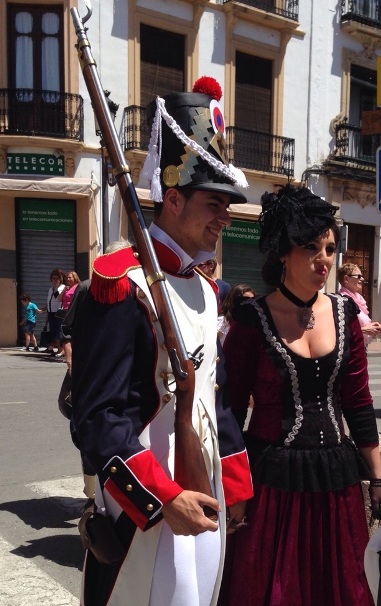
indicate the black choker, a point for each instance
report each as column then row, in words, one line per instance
column 304, row 314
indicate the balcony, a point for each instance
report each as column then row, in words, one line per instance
column 135, row 131
column 41, row 113
column 267, row 153
column 284, row 8
column 246, row 149
column 354, row 149
column 360, row 17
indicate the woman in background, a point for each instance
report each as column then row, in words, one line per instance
column 71, row 282
column 53, row 304
column 351, row 281
column 226, row 314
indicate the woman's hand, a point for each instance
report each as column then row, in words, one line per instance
column 235, row 517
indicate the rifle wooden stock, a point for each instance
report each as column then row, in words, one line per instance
column 190, row 469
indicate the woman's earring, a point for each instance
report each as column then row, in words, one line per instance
column 283, row 271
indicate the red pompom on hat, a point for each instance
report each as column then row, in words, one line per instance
column 208, row 86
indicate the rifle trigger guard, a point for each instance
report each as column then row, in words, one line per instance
column 156, row 277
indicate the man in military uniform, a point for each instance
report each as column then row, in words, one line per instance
column 124, row 398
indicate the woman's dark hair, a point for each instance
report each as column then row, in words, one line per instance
column 236, row 291
column 58, row 272
column 293, row 216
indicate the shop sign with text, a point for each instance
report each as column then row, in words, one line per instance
column 46, row 215
column 35, row 164
column 244, row 232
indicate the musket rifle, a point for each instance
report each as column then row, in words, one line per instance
column 190, row 468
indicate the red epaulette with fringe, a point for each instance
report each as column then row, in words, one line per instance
column 109, row 283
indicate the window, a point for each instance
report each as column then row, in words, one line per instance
column 363, row 92
column 363, row 96
column 35, row 69
column 161, row 63
column 253, row 98
column 35, row 47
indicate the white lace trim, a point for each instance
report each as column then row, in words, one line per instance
column 294, row 375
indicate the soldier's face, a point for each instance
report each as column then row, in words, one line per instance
column 200, row 221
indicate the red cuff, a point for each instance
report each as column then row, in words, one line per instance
column 150, row 473
column 236, row 478
column 140, row 486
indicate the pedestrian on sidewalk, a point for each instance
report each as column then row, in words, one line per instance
column 351, row 279
column 72, row 281
column 53, row 304
column 28, row 323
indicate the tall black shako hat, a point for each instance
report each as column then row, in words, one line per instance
column 188, row 145
column 292, row 216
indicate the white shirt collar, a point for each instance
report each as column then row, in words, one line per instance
column 186, row 261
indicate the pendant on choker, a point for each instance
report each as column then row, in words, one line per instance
column 304, row 314
column 305, row 317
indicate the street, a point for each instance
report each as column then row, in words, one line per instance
column 41, row 486
column 41, row 482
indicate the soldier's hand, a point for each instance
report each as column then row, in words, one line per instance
column 185, row 514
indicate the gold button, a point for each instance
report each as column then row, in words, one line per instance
column 141, row 294
column 113, row 469
column 153, row 316
column 217, row 359
column 128, row 487
column 216, row 387
column 171, row 175
column 166, row 397
column 149, row 507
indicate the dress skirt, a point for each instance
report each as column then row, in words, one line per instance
column 300, row 549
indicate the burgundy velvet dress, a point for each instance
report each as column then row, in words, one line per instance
column 307, row 532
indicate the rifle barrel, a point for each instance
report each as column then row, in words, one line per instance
column 190, row 466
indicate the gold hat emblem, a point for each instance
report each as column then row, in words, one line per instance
column 171, row 175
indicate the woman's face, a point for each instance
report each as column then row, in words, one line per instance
column 70, row 279
column 56, row 281
column 308, row 266
column 354, row 281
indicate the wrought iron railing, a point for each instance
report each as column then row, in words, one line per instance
column 246, row 148
column 260, row 151
column 285, row 8
column 352, row 146
column 135, row 131
column 42, row 113
column 367, row 12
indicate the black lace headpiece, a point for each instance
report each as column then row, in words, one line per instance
column 292, row 216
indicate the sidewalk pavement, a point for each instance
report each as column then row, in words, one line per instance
column 374, row 348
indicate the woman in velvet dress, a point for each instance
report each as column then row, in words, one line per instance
column 300, row 353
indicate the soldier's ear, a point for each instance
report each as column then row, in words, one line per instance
column 174, row 201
